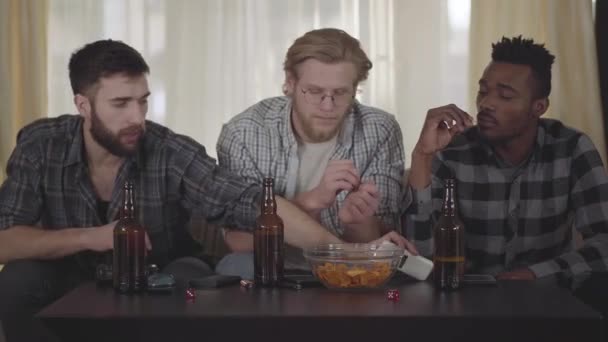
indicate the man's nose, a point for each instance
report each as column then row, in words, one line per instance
column 137, row 113
column 327, row 103
column 485, row 103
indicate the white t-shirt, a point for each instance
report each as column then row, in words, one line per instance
column 314, row 158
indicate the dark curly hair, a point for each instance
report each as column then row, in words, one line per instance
column 101, row 59
column 518, row 50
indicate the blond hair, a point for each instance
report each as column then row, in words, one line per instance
column 328, row 45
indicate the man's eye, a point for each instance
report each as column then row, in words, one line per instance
column 120, row 104
column 315, row 91
column 506, row 96
column 341, row 93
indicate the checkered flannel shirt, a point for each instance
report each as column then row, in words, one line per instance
column 525, row 220
column 48, row 184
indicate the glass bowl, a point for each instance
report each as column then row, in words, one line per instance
column 354, row 265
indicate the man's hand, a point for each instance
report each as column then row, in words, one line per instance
column 340, row 175
column 359, row 205
column 398, row 240
column 520, row 274
column 440, row 126
column 101, row 239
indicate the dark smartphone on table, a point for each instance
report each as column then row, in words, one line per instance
column 300, row 281
column 479, row 280
column 213, row 281
column 161, row 282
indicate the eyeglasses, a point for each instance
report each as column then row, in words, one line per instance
column 316, row 96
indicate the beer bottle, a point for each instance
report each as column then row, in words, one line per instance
column 268, row 240
column 448, row 254
column 129, row 257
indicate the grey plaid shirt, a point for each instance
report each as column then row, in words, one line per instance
column 48, row 183
column 260, row 143
column 522, row 218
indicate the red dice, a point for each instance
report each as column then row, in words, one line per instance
column 190, row 295
column 392, row 295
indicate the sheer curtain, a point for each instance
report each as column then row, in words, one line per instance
column 212, row 59
column 566, row 28
column 22, row 69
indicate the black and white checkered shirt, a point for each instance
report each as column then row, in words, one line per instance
column 48, row 183
column 522, row 216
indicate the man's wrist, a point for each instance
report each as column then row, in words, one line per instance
column 419, row 154
column 308, row 202
column 369, row 228
column 82, row 236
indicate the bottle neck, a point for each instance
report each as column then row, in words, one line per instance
column 269, row 205
column 449, row 202
column 128, row 206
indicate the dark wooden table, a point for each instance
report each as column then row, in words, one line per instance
column 511, row 311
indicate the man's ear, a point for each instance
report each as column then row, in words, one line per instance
column 290, row 83
column 83, row 105
column 540, row 106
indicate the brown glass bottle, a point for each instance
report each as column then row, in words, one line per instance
column 129, row 257
column 268, row 249
column 449, row 251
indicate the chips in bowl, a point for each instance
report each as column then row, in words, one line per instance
column 351, row 266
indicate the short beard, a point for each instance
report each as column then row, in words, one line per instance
column 311, row 133
column 111, row 142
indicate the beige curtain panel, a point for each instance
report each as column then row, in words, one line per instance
column 23, row 58
column 566, row 28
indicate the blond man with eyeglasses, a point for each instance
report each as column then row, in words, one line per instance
column 338, row 160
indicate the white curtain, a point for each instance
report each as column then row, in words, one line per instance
column 212, row 59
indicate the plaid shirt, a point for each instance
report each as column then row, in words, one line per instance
column 48, row 183
column 522, row 218
column 260, row 143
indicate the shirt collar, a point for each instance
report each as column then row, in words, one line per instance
column 75, row 151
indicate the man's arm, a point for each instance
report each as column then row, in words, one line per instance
column 21, row 204
column 369, row 229
column 230, row 200
column 300, row 229
column 20, row 208
column 427, row 170
column 589, row 201
column 28, row 242
column 380, row 189
column 439, row 128
column 235, row 156
column 339, row 175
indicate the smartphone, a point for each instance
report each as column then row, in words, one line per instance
column 480, row 279
column 300, row 281
column 214, row 281
column 161, row 282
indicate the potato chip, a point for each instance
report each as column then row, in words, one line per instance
column 344, row 276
